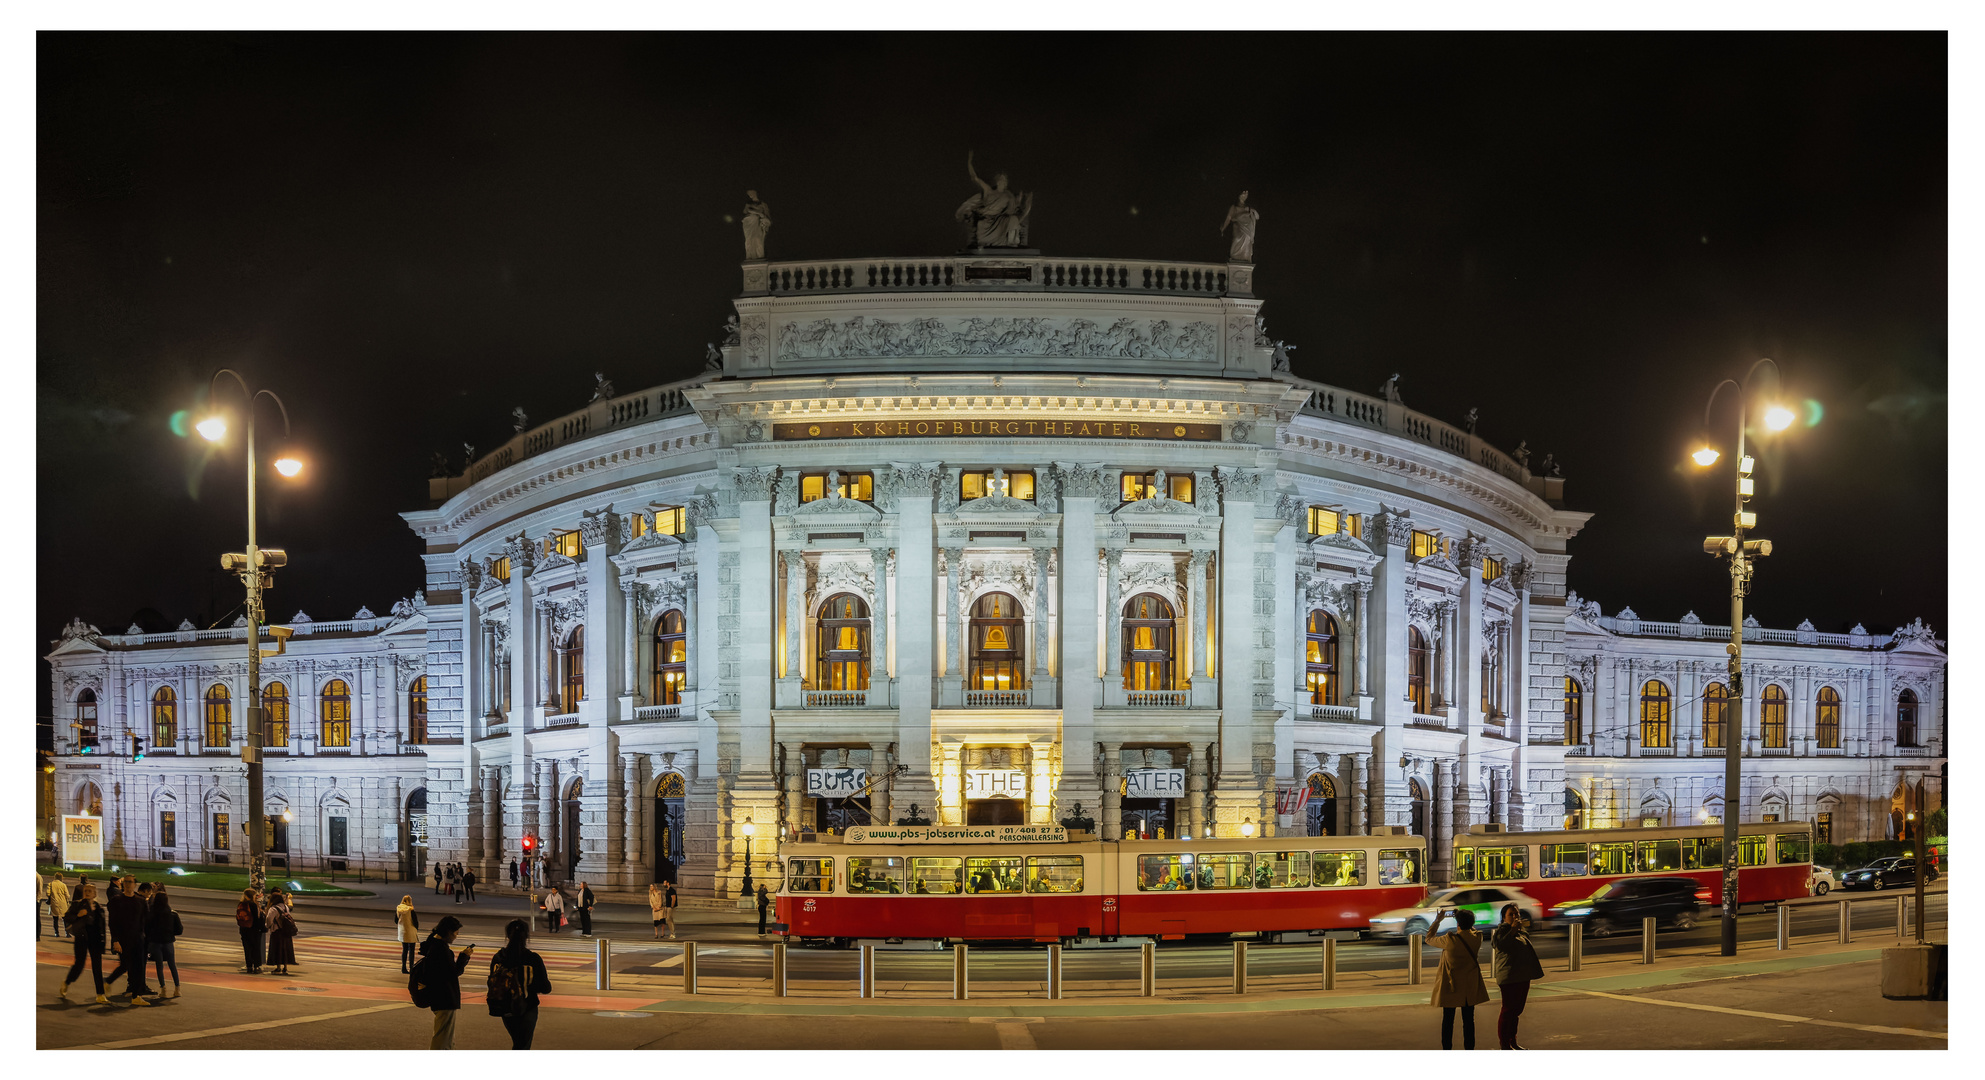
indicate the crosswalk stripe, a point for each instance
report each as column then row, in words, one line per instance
column 182, row 1036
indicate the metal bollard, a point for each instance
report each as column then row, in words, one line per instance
column 1413, row 947
column 602, row 974
column 1846, row 923
column 779, row 969
column 1150, row 969
column 867, row 973
column 1576, row 952
column 688, row 967
column 1240, row 967
column 1330, row 963
column 1784, row 928
column 1901, row 917
column 1054, row 972
column 1647, row 940
column 961, row 986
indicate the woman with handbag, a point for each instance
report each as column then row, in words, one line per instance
column 164, row 928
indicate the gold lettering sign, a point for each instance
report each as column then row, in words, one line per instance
column 997, row 428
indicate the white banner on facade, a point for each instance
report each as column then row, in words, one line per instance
column 995, row 784
column 1154, row 784
column 835, row 783
column 82, row 840
column 955, row 834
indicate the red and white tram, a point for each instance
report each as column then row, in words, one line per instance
column 1774, row 860
column 1095, row 889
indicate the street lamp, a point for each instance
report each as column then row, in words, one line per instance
column 252, row 567
column 1247, row 827
column 1742, row 553
column 747, row 829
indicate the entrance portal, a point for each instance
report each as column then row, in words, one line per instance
column 669, row 792
column 1148, row 816
column 995, row 812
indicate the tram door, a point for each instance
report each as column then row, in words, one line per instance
column 669, row 794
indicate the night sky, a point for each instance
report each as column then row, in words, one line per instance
column 406, row 235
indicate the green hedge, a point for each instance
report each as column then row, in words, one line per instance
column 223, row 878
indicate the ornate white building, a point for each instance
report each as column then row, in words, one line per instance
column 981, row 539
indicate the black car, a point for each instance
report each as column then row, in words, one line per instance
column 1883, row 873
column 1622, row 904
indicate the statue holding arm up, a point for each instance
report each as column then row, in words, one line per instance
column 995, row 217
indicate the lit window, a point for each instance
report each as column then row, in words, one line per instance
column 1324, row 521
column 220, row 832
column 1771, row 716
column 1425, row 544
column 1144, row 486
column 218, row 728
column 336, row 705
column 671, row 659
column 1418, row 670
column 572, row 671
column 1655, row 705
column 1148, row 660
column 984, row 482
column 275, row 716
column 848, row 485
column 668, row 520
column 1320, row 658
column 1826, row 721
column 1357, row 525
column 165, row 718
column 500, row 569
column 86, row 726
column 841, row 644
column 1491, row 568
column 417, row 712
column 1574, row 713
column 168, row 828
column 564, row 543
column 1715, row 710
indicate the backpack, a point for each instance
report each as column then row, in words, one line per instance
column 244, row 917
column 508, row 986
column 421, row 982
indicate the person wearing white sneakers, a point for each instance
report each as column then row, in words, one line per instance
column 89, row 926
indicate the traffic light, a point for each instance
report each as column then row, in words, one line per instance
column 530, row 844
column 137, row 748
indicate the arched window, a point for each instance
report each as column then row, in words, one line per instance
column 1905, row 719
column 572, row 670
column 217, row 728
column 1417, row 678
column 1655, row 705
column 1715, row 711
column 1322, row 805
column 1417, row 793
column 417, row 712
column 998, row 640
column 275, row 716
column 336, row 711
column 1148, row 655
column 86, row 730
column 165, row 718
column 1771, row 717
column 1574, row 713
column 671, row 659
column 841, row 643
column 1826, row 719
column 1320, row 658
column 1574, row 806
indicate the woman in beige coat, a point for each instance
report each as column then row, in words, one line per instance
column 1459, row 983
column 407, row 930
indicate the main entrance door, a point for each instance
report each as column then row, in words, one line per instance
column 1148, row 816
column 669, row 792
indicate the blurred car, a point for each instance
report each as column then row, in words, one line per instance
column 1884, row 873
column 1485, row 902
column 1621, row 905
column 1823, row 881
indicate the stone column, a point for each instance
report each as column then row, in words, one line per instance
column 1112, row 817
column 1391, row 533
column 954, row 623
column 1441, row 844
column 795, row 613
column 879, row 802
column 879, row 621
column 795, row 756
column 549, row 842
column 950, row 809
column 1081, row 485
column 1043, row 642
column 491, row 778
column 1364, row 663
column 633, row 853
column 1113, row 599
column 756, row 671
column 630, row 641
column 915, row 659
column 1237, row 790
column 606, row 617
column 1039, row 764
column 1195, row 792
column 1196, row 579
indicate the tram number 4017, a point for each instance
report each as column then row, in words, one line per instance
column 810, row 905
column 1110, row 904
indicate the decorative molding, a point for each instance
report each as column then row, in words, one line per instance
column 1238, row 485
column 915, row 480
column 1082, row 481
column 754, row 482
column 863, row 336
column 600, row 529
column 1390, row 527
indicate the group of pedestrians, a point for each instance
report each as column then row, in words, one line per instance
column 1458, row 984
column 517, row 978
column 137, row 923
column 554, row 903
column 274, row 916
column 456, row 880
column 661, row 904
column 531, row 872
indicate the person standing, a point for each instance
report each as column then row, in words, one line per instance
column 1514, row 968
column 248, row 920
column 554, row 909
column 58, row 902
column 89, row 925
column 764, row 908
column 585, row 903
column 406, row 923
column 516, row 978
column 669, row 901
column 282, row 933
column 439, row 874
column 657, row 907
column 161, row 931
column 513, row 872
column 40, row 898
column 454, row 883
column 445, row 972
column 126, row 913
column 1459, row 983
column 469, row 883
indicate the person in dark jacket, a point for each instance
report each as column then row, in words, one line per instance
column 89, row 924
column 1515, row 967
column 282, row 933
column 161, row 931
column 521, row 1021
column 469, row 884
column 445, row 992
column 513, row 873
column 127, row 938
column 248, row 920
column 585, row 903
column 764, row 908
column 440, row 875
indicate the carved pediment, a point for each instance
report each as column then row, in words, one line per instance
column 1160, row 504
column 1342, row 540
column 553, row 561
column 997, row 504
column 834, row 503
column 652, row 540
column 1438, row 561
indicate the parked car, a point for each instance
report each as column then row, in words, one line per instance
column 1884, row 873
column 1485, row 902
column 1622, row 904
column 1823, row 881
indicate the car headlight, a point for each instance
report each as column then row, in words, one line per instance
column 1375, row 922
column 1576, row 911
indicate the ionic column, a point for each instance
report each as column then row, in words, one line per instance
column 1112, row 796
column 1362, row 801
column 491, row 777
column 954, row 623
column 1364, row 665
column 1113, row 646
column 1195, row 792
column 630, row 640
column 1196, row 576
column 548, row 824
column 795, row 787
column 631, row 852
column 879, row 618
column 1043, row 625
column 795, row 612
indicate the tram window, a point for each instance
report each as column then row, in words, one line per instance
column 1660, row 855
column 1794, row 848
column 936, row 877
column 994, row 875
column 1225, row 870
column 1505, row 863
column 1281, row 869
column 1612, row 858
column 1702, row 853
column 1160, row 873
column 1399, row 867
column 1054, row 873
column 1750, row 850
column 1464, row 864
column 875, row 875
column 1334, row 868
column 810, row 875
column 1561, row 860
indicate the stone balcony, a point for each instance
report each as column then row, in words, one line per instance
column 995, row 271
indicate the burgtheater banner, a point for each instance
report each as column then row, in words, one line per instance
column 997, row 428
column 82, row 840
column 955, row 834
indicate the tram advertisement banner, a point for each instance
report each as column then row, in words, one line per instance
column 82, row 840
column 955, row 834
column 835, row 783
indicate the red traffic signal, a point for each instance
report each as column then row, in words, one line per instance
column 530, row 842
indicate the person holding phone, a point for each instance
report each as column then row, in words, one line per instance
column 1515, row 967
column 443, row 969
column 1459, row 983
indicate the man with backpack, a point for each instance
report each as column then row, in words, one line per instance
column 585, row 910
column 516, row 978
column 436, row 982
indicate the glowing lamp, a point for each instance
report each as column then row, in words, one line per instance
column 289, row 466
column 1706, row 457
column 747, row 828
column 1247, row 828
column 1778, row 418
column 212, row 428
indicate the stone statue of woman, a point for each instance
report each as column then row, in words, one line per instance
column 995, row 217
column 757, row 222
column 1242, row 217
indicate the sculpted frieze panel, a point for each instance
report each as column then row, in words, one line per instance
column 862, row 336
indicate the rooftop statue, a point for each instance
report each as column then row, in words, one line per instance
column 1242, row 217
column 757, row 222
column 995, row 217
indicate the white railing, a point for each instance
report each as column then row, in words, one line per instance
column 997, row 699
column 557, row 720
column 1156, row 699
column 1721, row 632
column 1333, row 712
column 658, row 712
column 491, row 731
column 836, row 699
column 974, row 272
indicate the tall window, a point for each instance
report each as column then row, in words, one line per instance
column 1320, row 658
column 1823, row 827
column 168, row 828
column 572, row 670
column 1715, row 711
column 564, row 543
column 217, row 727
column 1826, row 719
column 1491, row 568
column 1324, row 521
column 841, row 644
column 671, row 659
column 500, row 569
column 1417, row 672
column 981, row 483
column 220, row 832
column 1574, row 713
column 1492, row 677
column 1147, row 644
column 848, row 485
column 1655, row 714
column 667, row 521
column 998, row 640
column 1425, row 544
column 1771, row 717
column 86, row 730
column 417, row 712
column 1905, row 719
column 1145, row 486
column 336, row 711
column 165, row 718
column 275, row 715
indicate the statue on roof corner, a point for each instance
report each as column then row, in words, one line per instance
column 757, row 222
column 1242, row 217
column 995, row 217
